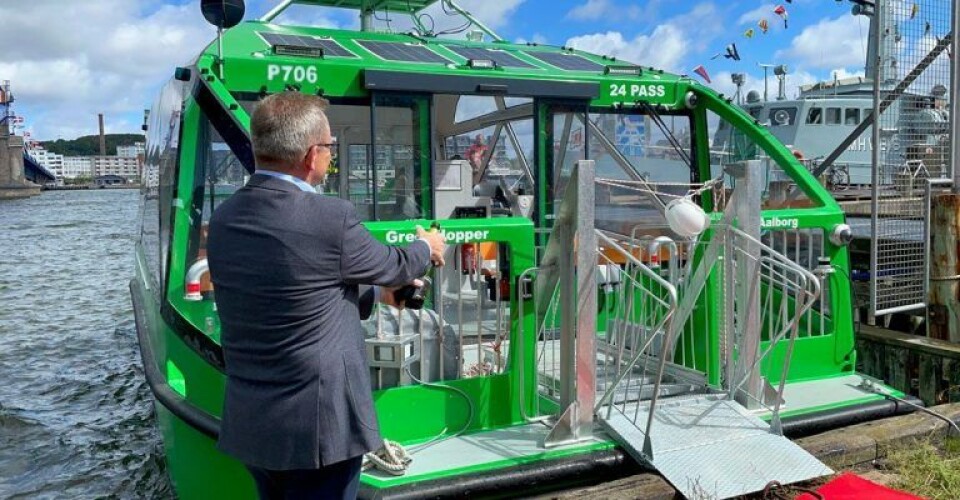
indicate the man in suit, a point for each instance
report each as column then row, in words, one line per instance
column 292, row 270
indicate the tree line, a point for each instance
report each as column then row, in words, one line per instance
column 89, row 145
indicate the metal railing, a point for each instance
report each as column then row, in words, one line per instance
column 472, row 299
column 805, row 247
column 782, row 297
column 634, row 351
column 766, row 297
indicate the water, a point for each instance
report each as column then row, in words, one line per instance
column 76, row 414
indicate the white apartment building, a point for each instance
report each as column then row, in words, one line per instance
column 126, row 167
column 77, row 166
column 51, row 161
column 132, row 150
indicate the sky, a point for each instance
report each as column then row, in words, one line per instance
column 70, row 60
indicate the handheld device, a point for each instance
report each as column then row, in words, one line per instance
column 413, row 296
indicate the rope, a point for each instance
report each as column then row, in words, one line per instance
column 637, row 186
column 390, row 458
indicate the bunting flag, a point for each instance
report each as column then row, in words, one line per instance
column 700, row 70
column 732, row 52
column 782, row 12
column 764, row 26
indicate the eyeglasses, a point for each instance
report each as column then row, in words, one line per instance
column 329, row 145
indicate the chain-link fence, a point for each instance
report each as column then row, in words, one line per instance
column 912, row 70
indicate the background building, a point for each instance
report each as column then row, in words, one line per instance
column 49, row 160
column 135, row 150
column 122, row 166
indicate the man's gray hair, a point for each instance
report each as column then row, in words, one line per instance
column 285, row 125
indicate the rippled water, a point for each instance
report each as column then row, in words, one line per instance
column 76, row 415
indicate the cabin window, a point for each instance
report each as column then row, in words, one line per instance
column 381, row 156
column 815, row 116
column 833, row 116
column 732, row 145
column 851, row 116
column 494, row 135
column 782, row 117
column 402, row 155
column 569, row 138
column 643, row 161
column 160, row 176
column 217, row 175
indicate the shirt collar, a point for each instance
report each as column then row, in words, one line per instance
column 300, row 183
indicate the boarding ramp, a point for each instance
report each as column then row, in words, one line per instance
column 684, row 400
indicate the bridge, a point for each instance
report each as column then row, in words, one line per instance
column 34, row 172
column 15, row 175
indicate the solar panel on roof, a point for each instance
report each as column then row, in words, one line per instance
column 500, row 57
column 571, row 62
column 403, row 52
column 331, row 48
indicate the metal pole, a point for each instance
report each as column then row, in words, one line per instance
column 586, row 299
column 276, row 11
column 473, row 20
column 955, row 101
column 746, row 258
column 878, row 13
column 568, row 327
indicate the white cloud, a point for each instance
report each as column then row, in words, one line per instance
column 664, row 48
column 590, row 11
column 69, row 61
column 830, row 43
column 754, row 16
column 493, row 14
column 537, row 38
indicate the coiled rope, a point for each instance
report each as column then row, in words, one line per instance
column 390, row 458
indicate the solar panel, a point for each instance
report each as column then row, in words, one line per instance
column 502, row 58
column 403, row 52
column 562, row 60
column 330, row 47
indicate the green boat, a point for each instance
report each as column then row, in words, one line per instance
column 637, row 271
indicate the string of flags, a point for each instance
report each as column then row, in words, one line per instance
column 763, row 25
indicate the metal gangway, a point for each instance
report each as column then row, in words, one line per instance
column 672, row 369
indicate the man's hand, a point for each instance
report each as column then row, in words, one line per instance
column 387, row 296
column 436, row 242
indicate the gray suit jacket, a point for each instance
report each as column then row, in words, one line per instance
column 286, row 265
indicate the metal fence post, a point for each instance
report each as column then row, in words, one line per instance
column 575, row 232
column 746, row 258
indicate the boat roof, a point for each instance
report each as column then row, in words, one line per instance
column 345, row 57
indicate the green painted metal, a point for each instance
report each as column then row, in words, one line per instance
column 415, row 414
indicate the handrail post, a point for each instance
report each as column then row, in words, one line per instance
column 746, row 260
column 577, row 263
